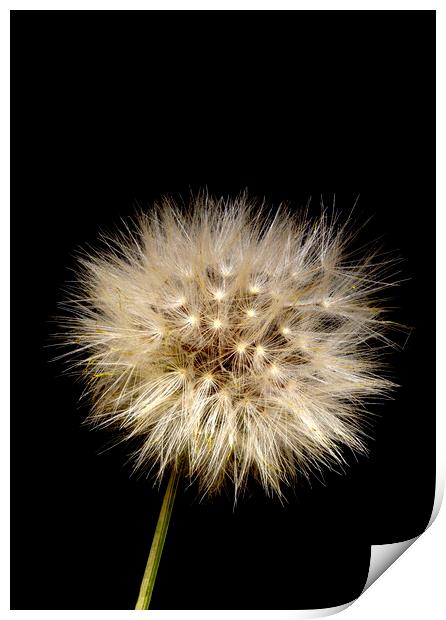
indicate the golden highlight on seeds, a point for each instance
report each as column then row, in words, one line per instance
column 233, row 341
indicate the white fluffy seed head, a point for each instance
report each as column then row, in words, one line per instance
column 232, row 342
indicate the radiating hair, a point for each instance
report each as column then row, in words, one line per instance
column 231, row 340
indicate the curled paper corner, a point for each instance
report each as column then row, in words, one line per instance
column 383, row 556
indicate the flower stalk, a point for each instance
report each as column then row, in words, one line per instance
column 156, row 550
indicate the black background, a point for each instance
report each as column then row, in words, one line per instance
column 113, row 109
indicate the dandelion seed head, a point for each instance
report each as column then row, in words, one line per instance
column 239, row 344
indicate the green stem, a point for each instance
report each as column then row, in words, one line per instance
column 148, row 581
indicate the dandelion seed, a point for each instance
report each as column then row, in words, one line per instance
column 241, row 347
column 226, row 271
column 274, row 370
column 219, row 295
column 192, row 320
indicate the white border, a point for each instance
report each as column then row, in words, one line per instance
column 4, row 303
column 414, row 586
column 223, row 5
